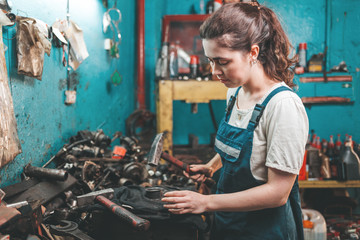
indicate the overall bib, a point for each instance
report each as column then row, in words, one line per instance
column 235, row 146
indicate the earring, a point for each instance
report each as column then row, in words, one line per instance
column 254, row 62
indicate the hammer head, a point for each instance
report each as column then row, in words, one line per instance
column 89, row 198
column 156, row 150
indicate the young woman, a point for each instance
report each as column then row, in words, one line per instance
column 261, row 140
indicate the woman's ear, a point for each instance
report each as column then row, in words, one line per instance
column 254, row 52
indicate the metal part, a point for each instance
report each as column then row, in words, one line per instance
column 69, row 228
column 43, row 192
column 135, row 171
column 156, row 150
column 18, row 204
column 91, row 174
column 51, row 174
column 125, row 182
column 154, row 193
column 64, row 150
column 89, row 198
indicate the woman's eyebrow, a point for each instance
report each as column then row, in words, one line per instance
column 217, row 58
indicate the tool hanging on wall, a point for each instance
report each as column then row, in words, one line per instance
column 112, row 17
column 77, row 53
column 70, row 95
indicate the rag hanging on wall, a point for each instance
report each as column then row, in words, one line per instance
column 9, row 141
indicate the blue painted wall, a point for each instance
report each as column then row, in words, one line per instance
column 304, row 21
column 45, row 123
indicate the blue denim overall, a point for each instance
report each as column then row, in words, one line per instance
column 235, row 146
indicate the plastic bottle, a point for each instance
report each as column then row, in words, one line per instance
column 314, row 225
column 332, row 159
column 173, row 62
column 194, row 66
column 350, row 162
column 161, row 70
column 324, row 146
column 338, row 145
column 302, row 54
column 318, row 144
column 313, row 142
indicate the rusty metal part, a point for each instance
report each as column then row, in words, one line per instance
column 51, row 174
column 18, row 188
column 43, row 192
column 69, row 228
column 125, row 182
column 135, row 171
column 91, row 174
column 64, row 150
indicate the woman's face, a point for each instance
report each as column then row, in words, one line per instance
column 231, row 67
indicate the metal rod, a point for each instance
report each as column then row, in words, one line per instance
column 68, row 47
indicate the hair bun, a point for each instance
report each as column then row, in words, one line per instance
column 254, row 4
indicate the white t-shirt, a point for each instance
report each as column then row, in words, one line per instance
column 280, row 138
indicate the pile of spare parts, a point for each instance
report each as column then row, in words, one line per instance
column 101, row 188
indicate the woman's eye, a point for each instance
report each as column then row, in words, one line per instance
column 223, row 62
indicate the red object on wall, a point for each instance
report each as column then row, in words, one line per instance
column 141, row 53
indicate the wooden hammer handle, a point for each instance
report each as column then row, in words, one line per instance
column 176, row 162
column 182, row 165
column 137, row 222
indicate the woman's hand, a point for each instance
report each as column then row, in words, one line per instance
column 199, row 172
column 180, row 202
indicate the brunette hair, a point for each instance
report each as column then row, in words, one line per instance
column 240, row 25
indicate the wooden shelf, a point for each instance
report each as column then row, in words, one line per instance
column 329, row 184
column 190, row 91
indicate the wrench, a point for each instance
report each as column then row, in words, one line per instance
column 69, row 228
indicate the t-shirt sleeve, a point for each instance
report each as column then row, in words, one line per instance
column 286, row 130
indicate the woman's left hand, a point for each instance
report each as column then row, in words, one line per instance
column 180, row 202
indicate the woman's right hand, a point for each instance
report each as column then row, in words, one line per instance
column 199, row 172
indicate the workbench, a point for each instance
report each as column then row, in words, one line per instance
column 190, row 91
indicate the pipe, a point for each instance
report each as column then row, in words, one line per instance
column 328, row 14
column 141, row 53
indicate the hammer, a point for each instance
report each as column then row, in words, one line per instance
column 102, row 197
column 156, row 153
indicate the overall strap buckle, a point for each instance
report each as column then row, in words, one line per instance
column 257, row 113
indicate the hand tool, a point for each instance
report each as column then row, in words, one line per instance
column 156, row 153
column 51, row 174
column 64, row 150
column 69, row 228
column 102, row 198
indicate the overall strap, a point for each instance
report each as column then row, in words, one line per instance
column 230, row 105
column 259, row 108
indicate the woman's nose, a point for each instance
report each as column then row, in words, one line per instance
column 216, row 70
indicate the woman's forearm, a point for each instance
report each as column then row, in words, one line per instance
column 215, row 163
